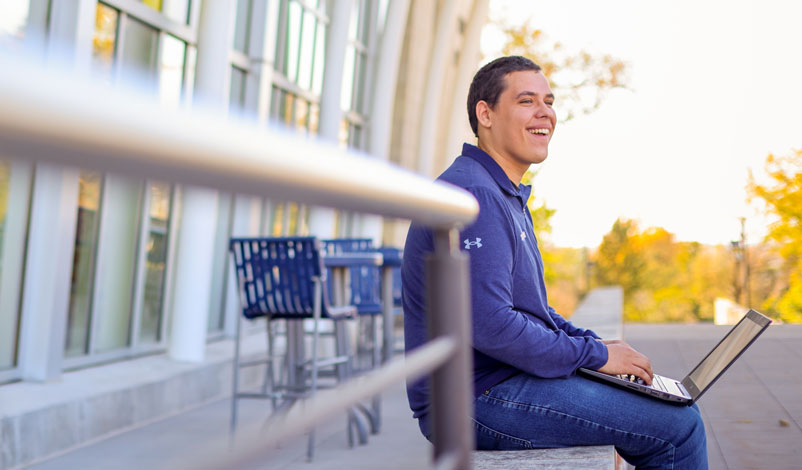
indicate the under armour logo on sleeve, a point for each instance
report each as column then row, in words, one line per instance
column 477, row 243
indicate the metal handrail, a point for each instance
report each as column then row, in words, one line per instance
column 306, row 413
column 75, row 121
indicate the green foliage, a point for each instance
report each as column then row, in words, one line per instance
column 541, row 214
column 783, row 200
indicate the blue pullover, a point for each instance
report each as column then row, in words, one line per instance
column 514, row 329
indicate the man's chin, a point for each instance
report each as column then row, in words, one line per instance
column 539, row 158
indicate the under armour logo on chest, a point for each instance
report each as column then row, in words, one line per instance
column 477, row 243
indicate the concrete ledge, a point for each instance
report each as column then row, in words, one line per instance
column 579, row 458
column 38, row 420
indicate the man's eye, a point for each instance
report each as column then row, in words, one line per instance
column 549, row 103
column 526, row 101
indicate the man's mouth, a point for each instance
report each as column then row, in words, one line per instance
column 539, row 131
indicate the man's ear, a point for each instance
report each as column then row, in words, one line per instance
column 483, row 114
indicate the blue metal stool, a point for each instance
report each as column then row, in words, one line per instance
column 283, row 278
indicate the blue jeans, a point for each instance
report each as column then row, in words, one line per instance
column 526, row 412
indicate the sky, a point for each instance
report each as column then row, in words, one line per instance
column 714, row 87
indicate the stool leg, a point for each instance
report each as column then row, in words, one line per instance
column 375, row 418
column 315, row 336
column 235, row 379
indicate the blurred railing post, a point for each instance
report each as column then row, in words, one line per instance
column 449, row 312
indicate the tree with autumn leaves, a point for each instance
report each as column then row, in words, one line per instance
column 782, row 199
column 663, row 279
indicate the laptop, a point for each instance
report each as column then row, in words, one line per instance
column 713, row 366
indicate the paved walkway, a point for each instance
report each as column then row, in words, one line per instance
column 753, row 416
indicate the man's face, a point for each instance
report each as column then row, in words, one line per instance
column 523, row 120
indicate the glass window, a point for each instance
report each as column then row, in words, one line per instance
column 176, row 10
column 78, row 325
column 13, row 19
column 171, row 71
column 242, row 26
column 155, row 261
column 104, row 41
column 116, row 262
column 302, row 48
column 221, row 263
column 295, row 112
column 320, row 56
column 237, row 91
column 346, row 97
column 15, row 185
column 155, row 4
column 277, row 223
column 306, row 54
column 189, row 73
column 138, row 57
column 292, row 43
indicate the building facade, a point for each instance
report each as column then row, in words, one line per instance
column 99, row 268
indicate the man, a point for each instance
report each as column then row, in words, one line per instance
column 525, row 354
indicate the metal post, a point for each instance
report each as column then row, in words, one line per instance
column 449, row 314
column 387, row 313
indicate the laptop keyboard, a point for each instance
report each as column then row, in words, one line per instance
column 656, row 381
column 631, row 378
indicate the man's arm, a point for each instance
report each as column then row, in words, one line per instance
column 501, row 332
column 569, row 327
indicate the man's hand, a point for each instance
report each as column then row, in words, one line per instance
column 622, row 359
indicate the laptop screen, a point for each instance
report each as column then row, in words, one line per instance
column 728, row 349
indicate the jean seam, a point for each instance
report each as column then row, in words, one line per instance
column 500, row 435
column 607, row 428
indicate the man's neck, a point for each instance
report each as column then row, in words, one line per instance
column 513, row 170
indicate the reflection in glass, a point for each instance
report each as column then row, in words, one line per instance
column 348, row 79
column 291, row 221
column 292, row 41
column 5, row 170
column 138, row 58
column 320, row 58
column 116, row 262
column 725, row 352
column 278, row 220
column 155, row 4
column 8, row 319
column 104, row 41
column 13, row 18
column 189, row 68
column 176, row 10
column 171, row 71
column 220, row 262
column 86, row 232
column 155, row 260
column 237, row 91
column 307, row 51
column 242, row 26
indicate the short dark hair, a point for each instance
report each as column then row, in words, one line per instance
column 489, row 83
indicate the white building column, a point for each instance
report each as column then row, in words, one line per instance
column 48, row 271
column 53, row 218
column 262, row 52
column 438, row 61
column 194, row 260
column 321, row 219
column 459, row 128
column 380, row 118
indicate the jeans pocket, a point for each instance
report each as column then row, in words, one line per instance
column 490, row 439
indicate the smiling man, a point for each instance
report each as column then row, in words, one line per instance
column 525, row 355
